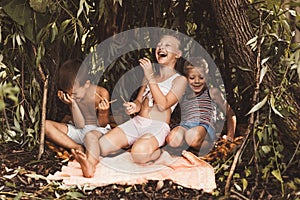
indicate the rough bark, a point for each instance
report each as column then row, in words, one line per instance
column 236, row 30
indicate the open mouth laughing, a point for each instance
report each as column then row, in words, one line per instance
column 162, row 54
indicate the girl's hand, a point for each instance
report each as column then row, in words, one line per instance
column 103, row 104
column 130, row 107
column 65, row 97
column 147, row 67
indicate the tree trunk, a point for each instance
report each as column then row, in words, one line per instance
column 236, row 30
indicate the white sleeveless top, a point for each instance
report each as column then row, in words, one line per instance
column 164, row 87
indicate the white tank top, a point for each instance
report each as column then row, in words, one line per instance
column 164, row 87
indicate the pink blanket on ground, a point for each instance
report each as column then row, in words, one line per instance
column 188, row 171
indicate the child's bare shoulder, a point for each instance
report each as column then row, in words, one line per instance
column 214, row 90
column 216, row 94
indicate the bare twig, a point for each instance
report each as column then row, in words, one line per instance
column 6, row 119
column 291, row 160
column 239, row 195
column 256, row 99
column 233, row 166
column 123, row 99
column 23, row 96
column 252, row 116
column 42, row 136
column 112, row 101
column 44, row 105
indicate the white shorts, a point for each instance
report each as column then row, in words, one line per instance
column 139, row 126
column 77, row 134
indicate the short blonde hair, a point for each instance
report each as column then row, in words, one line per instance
column 195, row 62
column 178, row 43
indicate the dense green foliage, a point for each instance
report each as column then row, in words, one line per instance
column 36, row 36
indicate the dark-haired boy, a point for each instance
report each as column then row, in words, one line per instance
column 89, row 105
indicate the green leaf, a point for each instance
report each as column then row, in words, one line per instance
column 22, row 112
column 29, row 31
column 2, row 105
column 236, row 175
column 10, row 184
column 101, row 9
column 10, row 176
column 119, row 1
column 54, row 32
column 17, row 124
column 245, row 69
column 272, row 103
column 266, row 149
column 259, row 135
column 247, row 172
column 298, row 70
column 38, row 5
column 245, row 184
column 264, row 60
column 36, row 176
column 237, row 187
column 277, row 175
column 128, row 189
column 18, row 113
column 258, row 105
column 63, row 26
column 80, row 9
column 252, row 40
column 263, row 72
column 292, row 185
column 19, row 11
column 75, row 195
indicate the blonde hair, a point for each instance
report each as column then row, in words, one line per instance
column 196, row 62
column 178, row 43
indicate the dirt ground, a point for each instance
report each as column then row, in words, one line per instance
column 22, row 176
column 20, row 179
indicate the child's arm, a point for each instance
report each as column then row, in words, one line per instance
column 102, row 102
column 136, row 105
column 230, row 116
column 174, row 95
column 77, row 116
column 163, row 102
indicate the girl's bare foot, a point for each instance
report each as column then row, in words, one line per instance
column 88, row 168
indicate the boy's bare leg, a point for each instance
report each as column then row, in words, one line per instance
column 88, row 169
column 89, row 160
column 57, row 132
column 113, row 141
column 97, row 145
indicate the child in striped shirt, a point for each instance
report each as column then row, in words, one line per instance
column 198, row 111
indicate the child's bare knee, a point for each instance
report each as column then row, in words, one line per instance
column 92, row 135
column 175, row 138
column 174, row 141
column 140, row 154
column 194, row 137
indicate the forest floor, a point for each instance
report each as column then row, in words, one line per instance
column 22, row 176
